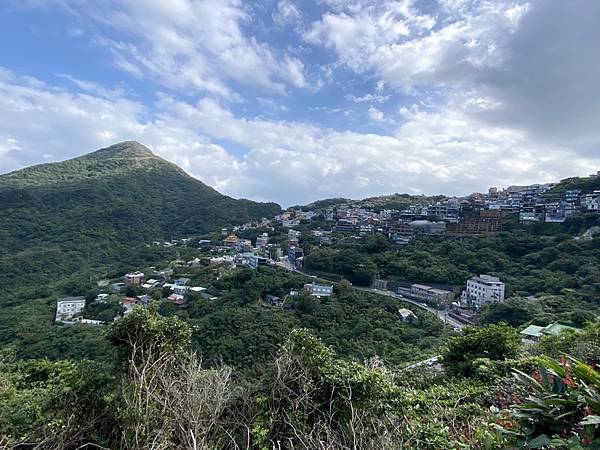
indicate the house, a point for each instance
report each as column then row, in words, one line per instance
column 181, row 286
column 102, row 298
column 293, row 238
column 134, row 279
column 533, row 333
column 151, row 283
column 295, row 256
column 89, row 321
column 182, row 282
column 262, row 240
column 178, row 299
column 244, row 245
column 425, row 292
column 194, row 262
column 319, row 290
column 258, row 261
column 274, row 300
column 406, row 315
column 482, row 290
column 164, row 274
column 69, row 307
column 223, row 260
column 204, row 243
column 592, row 201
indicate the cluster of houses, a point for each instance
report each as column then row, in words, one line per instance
column 532, row 206
column 477, row 213
column 69, row 310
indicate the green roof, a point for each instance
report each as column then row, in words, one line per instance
column 533, row 330
column 553, row 329
column 557, row 328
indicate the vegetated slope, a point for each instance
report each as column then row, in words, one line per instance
column 92, row 206
column 585, row 184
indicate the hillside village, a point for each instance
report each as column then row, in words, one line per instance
column 281, row 242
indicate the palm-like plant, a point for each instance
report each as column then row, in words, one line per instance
column 562, row 408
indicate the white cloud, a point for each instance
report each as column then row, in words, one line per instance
column 286, row 13
column 409, row 49
column 189, row 45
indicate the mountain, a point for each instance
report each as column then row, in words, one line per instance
column 95, row 204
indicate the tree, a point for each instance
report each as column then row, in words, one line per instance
column 515, row 312
column 496, row 342
column 145, row 336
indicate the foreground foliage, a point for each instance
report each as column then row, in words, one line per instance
column 160, row 396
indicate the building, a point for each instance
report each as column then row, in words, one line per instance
column 231, row 241
column 319, row 290
column 69, row 307
column 134, row 279
column 293, row 237
column 482, row 290
column 244, row 245
column 425, row 227
column 476, row 226
column 406, row 315
column 428, row 293
column 592, row 201
column 258, row 261
column 533, row 333
column 296, row 255
column 380, row 285
column 102, row 298
column 274, row 301
column 262, row 240
column 554, row 213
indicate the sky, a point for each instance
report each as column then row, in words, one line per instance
column 296, row 100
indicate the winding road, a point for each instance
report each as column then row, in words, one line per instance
column 441, row 315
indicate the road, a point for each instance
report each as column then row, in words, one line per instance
column 442, row 315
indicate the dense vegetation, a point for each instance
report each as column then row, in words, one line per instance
column 97, row 209
column 158, row 395
column 542, row 260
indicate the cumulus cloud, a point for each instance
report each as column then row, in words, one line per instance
column 497, row 95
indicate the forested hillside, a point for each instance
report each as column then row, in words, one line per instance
column 95, row 209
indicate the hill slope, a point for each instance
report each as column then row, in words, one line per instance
column 95, row 204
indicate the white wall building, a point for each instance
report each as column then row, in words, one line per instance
column 69, row 307
column 592, row 201
column 482, row 290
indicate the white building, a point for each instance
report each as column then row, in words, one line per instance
column 319, row 290
column 592, row 201
column 482, row 290
column 69, row 307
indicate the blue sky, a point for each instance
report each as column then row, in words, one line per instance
column 295, row 100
